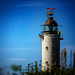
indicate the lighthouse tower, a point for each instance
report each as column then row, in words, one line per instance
column 50, row 38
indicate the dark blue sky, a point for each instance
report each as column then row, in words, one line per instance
column 20, row 22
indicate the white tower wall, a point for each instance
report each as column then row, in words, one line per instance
column 50, row 50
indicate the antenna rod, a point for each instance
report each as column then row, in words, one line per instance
column 49, row 3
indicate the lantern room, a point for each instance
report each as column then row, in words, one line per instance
column 50, row 26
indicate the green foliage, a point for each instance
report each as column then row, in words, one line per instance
column 58, row 70
column 15, row 67
column 36, row 68
column 1, row 69
column 55, row 70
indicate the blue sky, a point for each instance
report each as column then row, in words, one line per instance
column 20, row 22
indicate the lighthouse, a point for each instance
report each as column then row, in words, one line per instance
column 50, row 38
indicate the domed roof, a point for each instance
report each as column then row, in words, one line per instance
column 50, row 22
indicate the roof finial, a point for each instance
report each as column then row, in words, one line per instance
column 50, row 12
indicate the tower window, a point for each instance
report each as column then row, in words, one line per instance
column 46, row 48
column 47, row 62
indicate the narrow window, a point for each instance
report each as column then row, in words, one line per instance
column 47, row 62
column 46, row 48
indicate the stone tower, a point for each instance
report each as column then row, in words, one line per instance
column 50, row 38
